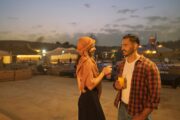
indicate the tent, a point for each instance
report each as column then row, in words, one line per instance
column 71, row 50
column 62, row 55
column 4, row 53
column 56, row 51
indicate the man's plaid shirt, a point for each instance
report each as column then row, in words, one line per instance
column 145, row 86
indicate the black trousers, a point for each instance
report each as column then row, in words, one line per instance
column 89, row 107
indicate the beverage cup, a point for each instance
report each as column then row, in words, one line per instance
column 122, row 82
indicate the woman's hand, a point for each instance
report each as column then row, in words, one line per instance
column 107, row 70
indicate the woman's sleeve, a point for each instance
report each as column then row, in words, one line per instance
column 86, row 74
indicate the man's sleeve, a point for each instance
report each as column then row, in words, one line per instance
column 154, row 86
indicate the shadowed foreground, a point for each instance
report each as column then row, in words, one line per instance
column 55, row 98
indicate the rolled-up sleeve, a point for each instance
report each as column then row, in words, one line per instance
column 154, row 86
column 86, row 73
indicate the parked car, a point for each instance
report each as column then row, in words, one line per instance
column 170, row 76
column 170, row 73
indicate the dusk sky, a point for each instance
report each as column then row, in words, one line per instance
column 108, row 20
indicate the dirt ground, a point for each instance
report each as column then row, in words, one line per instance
column 55, row 98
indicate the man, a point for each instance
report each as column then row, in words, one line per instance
column 141, row 94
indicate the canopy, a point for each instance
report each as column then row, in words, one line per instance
column 4, row 53
column 56, row 51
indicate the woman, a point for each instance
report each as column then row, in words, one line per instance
column 89, row 81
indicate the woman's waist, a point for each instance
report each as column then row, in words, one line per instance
column 94, row 89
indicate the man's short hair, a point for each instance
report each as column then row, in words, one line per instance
column 132, row 38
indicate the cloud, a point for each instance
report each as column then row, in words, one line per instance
column 13, row 18
column 73, row 23
column 148, row 7
column 114, row 6
column 134, row 16
column 5, row 32
column 151, row 28
column 53, row 31
column 178, row 18
column 106, row 39
column 110, row 30
column 165, row 32
column 121, row 19
column 116, row 25
column 112, row 37
column 87, row 5
column 176, row 21
column 37, row 26
column 103, row 39
column 107, row 25
column 134, row 27
column 125, row 11
column 158, row 28
column 156, row 18
column 32, row 36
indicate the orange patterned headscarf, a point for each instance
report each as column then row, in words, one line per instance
column 86, row 68
column 84, row 44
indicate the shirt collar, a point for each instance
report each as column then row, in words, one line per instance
column 141, row 58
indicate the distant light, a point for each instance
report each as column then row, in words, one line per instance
column 63, row 52
column 7, row 59
column 113, row 50
column 37, row 50
column 140, row 46
column 160, row 46
column 44, row 52
column 154, row 52
column 28, row 56
column 148, row 52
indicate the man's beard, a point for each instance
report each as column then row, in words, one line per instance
column 130, row 52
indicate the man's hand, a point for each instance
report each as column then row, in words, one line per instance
column 139, row 117
column 117, row 85
column 143, row 115
column 116, row 103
